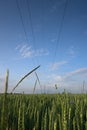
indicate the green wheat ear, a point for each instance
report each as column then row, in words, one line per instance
column 4, row 124
column 6, row 81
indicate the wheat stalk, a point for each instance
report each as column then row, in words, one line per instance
column 24, row 77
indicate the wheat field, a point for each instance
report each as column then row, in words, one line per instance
column 43, row 112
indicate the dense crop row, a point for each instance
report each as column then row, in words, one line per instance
column 43, row 112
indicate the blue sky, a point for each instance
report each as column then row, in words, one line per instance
column 29, row 36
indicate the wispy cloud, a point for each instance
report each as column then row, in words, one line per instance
column 56, row 65
column 69, row 80
column 72, row 51
column 68, row 76
column 81, row 71
column 26, row 51
column 54, row 77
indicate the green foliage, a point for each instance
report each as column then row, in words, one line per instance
column 43, row 112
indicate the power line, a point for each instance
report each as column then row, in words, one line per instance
column 32, row 31
column 60, row 30
column 30, row 17
column 31, row 24
column 29, row 12
column 21, row 18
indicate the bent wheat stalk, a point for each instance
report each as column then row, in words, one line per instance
column 35, row 86
column 24, row 78
column 38, row 81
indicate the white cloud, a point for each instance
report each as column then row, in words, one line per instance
column 54, row 77
column 26, row 51
column 81, row 71
column 56, row 65
column 68, row 76
column 71, row 81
